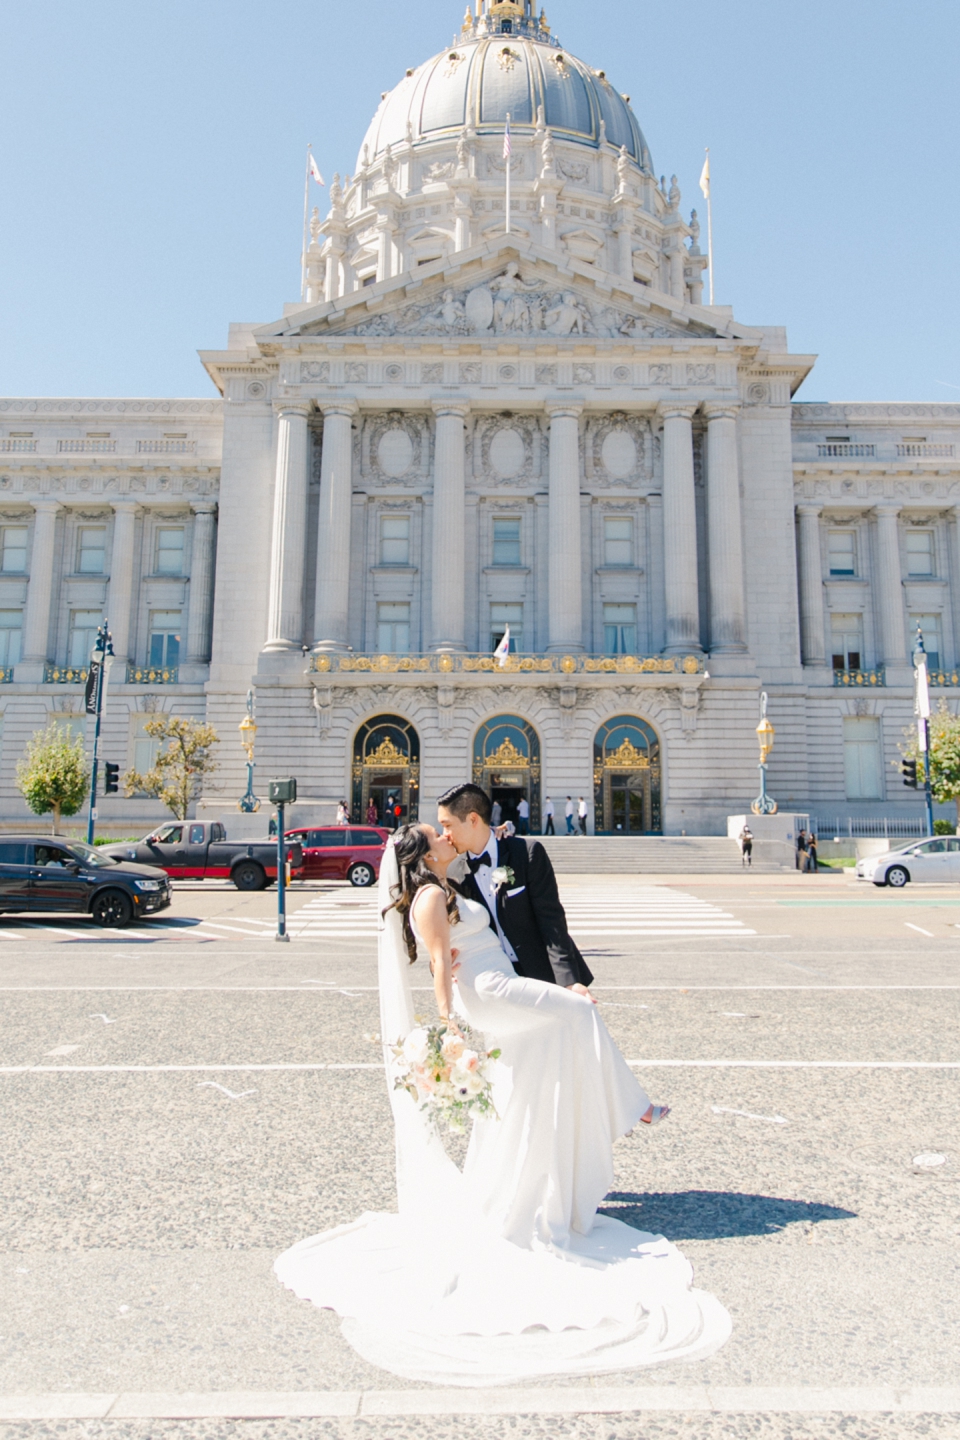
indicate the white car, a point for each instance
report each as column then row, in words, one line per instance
column 930, row 862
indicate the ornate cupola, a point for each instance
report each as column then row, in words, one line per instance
column 506, row 17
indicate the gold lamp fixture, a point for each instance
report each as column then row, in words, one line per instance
column 764, row 803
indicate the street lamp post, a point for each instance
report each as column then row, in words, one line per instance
column 764, row 803
column 248, row 803
column 101, row 659
column 923, row 720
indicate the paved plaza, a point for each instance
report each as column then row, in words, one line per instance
column 183, row 1100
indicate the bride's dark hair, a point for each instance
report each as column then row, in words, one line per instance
column 411, row 845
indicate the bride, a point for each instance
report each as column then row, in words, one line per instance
column 503, row 1271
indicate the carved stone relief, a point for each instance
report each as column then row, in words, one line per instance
column 314, row 370
column 660, row 374
column 395, row 447
column 431, row 374
column 618, row 450
column 701, row 374
column 354, row 370
column 507, row 448
column 471, row 373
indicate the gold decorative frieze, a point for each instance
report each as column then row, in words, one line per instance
column 445, row 663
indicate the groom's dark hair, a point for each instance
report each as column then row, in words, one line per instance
column 464, row 800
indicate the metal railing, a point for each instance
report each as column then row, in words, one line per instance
column 152, row 675
column 446, row 664
column 65, row 674
column 862, row 827
column 876, row 676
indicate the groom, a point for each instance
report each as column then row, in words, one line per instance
column 524, row 906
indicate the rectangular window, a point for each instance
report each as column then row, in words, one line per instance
column 394, row 539
column 82, row 636
column 91, row 549
column 11, row 629
column 13, row 549
column 620, row 629
column 506, row 541
column 617, row 540
column 930, row 625
column 920, row 552
column 163, row 646
column 143, row 747
column 846, row 639
column 502, row 615
column 842, row 550
column 862, row 758
column 169, row 559
column 393, row 628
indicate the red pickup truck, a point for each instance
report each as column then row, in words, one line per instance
column 200, row 850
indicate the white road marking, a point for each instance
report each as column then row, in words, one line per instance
column 105, row 1018
column 773, row 1119
column 919, row 929
column 62, row 1050
column 930, row 1161
column 234, row 1095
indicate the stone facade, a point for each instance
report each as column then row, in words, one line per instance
column 472, row 421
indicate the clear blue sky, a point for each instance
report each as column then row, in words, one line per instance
column 152, row 162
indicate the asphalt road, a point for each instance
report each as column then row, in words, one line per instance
column 182, row 1100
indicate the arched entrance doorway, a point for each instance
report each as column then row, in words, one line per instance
column 626, row 777
column 386, row 770
column 506, row 763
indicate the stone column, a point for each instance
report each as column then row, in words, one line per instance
column 36, row 629
column 679, row 532
column 724, row 532
column 888, row 591
column 565, row 581
column 201, row 582
column 285, row 595
column 333, row 537
column 812, row 638
column 449, row 553
column 122, row 564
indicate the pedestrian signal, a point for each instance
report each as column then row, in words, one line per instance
column 909, row 769
column 111, row 779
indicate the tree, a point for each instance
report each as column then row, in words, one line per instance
column 177, row 773
column 52, row 774
column 944, row 756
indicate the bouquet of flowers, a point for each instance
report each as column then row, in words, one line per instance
column 447, row 1072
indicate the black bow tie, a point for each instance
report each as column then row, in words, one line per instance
column 475, row 861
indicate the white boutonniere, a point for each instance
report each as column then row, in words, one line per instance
column 501, row 876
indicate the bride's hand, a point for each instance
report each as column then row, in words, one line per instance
column 582, row 990
column 455, row 957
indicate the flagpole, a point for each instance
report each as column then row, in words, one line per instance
column 306, row 207
column 507, row 151
column 709, row 224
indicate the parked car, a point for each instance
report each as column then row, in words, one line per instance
column 200, row 850
column 341, row 852
column 67, row 876
column 930, row 862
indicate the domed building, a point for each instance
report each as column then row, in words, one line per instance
column 500, row 496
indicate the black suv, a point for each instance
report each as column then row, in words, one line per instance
column 67, row 876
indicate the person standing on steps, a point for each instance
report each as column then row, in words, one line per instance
column 523, row 816
column 582, row 815
column 746, row 846
column 548, row 817
column 568, row 814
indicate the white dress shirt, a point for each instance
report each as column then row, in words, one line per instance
column 523, row 809
column 485, row 885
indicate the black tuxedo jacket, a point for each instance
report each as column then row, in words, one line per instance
column 531, row 915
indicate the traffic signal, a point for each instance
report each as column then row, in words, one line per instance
column 111, row 779
column 909, row 769
column 282, row 792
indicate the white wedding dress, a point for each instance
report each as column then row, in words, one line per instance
column 506, row 1272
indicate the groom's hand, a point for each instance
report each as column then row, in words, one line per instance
column 582, row 990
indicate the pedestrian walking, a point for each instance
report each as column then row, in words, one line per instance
column 801, row 850
column 746, row 847
column 582, row 815
column 272, row 827
column 523, row 817
column 373, row 814
column 496, row 814
column 568, row 815
column 343, row 814
column 548, row 817
column 813, row 864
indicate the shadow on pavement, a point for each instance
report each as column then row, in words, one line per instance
column 715, row 1214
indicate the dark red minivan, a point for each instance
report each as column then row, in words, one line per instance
column 342, row 852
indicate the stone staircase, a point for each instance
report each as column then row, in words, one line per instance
column 660, row 855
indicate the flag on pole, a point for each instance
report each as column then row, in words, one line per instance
column 507, row 147
column 705, row 177
column 503, row 649
column 315, row 171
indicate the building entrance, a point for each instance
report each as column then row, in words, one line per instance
column 506, row 763
column 386, row 770
column 626, row 777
